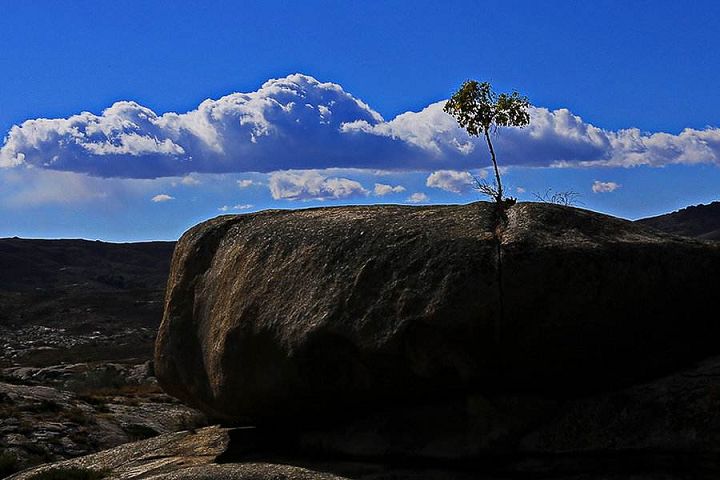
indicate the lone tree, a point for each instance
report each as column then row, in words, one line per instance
column 478, row 109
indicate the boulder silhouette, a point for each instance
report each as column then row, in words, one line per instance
column 317, row 313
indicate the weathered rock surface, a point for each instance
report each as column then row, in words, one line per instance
column 149, row 458
column 312, row 313
column 109, row 404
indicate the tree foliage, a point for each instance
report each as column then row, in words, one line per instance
column 480, row 110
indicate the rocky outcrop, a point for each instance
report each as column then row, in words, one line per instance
column 316, row 313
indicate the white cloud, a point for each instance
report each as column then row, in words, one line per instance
column 289, row 122
column 245, row 182
column 382, row 189
column 604, row 187
column 162, row 197
column 452, row 180
column 312, row 185
column 520, row 190
column 134, row 144
column 417, row 197
column 190, row 181
column 297, row 122
column 226, row 208
column 553, row 138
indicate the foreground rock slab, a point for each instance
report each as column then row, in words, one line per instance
column 149, row 458
column 64, row 411
column 319, row 313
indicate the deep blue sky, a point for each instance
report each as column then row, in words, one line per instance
column 649, row 64
column 652, row 65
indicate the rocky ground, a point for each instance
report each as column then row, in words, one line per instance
column 39, row 345
column 64, row 411
column 77, row 326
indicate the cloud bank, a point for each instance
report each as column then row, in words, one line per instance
column 298, row 123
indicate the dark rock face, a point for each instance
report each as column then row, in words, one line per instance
column 314, row 313
column 641, row 426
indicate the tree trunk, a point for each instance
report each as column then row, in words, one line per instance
column 499, row 196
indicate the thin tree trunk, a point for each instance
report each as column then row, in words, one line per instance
column 499, row 196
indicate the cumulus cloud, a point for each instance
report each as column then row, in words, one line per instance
column 244, row 183
column 312, row 185
column 417, row 197
column 554, row 138
column 293, row 121
column 297, row 122
column 604, row 187
column 451, row 180
column 382, row 189
column 162, row 197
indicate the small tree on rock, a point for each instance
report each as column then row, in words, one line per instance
column 479, row 110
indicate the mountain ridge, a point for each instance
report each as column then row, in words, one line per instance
column 701, row 221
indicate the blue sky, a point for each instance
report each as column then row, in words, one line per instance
column 625, row 107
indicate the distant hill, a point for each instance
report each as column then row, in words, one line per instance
column 27, row 264
column 702, row 221
column 90, row 300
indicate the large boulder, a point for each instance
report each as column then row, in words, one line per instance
column 312, row 313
